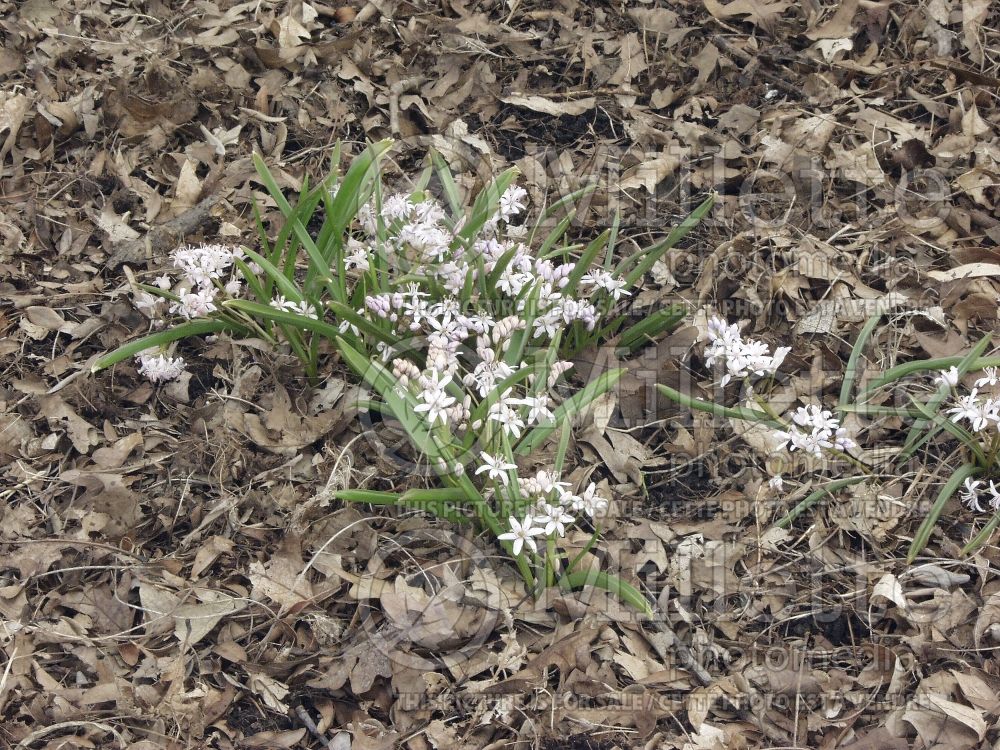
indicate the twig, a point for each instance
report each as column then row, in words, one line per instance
column 743, row 57
column 665, row 640
column 166, row 236
column 309, row 724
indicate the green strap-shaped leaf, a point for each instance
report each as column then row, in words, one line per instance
column 635, row 266
column 851, row 373
column 160, row 338
column 738, row 412
column 924, row 532
column 925, row 365
column 568, row 408
column 826, row 490
column 625, row 592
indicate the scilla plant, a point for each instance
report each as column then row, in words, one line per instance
column 459, row 318
column 971, row 417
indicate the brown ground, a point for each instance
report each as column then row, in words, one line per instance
column 172, row 572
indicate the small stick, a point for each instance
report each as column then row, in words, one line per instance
column 306, row 719
column 166, row 236
column 779, row 83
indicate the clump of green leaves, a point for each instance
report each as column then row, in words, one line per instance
column 461, row 320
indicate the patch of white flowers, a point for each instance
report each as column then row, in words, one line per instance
column 159, row 368
column 741, row 357
column 458, row 354
column 205, row 272
column 814, row 430
column 980, row 412
column 811, row 429
column 456, row 305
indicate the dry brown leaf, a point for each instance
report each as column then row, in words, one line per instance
column 550, row 106
column 967, row 271
column 988, row 620
column 757, row 12
column 281, row 578
column 650, row 173
column 192, row 622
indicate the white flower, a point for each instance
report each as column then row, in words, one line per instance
column 542, row 485
column 202, row 265
column 508, row 418
column 969, row 408
column 815, row 417
column 841, row 441
column 512, row 202
column 299, row 308
column 548, row 324
column 948, row 377
column 163, row 282
column 808, row 442
column 159, row 367
column 146, row 303
column 591, row 503
column 489, row 372
column 776, row 483
column 538, row 408
column 970, row 495
column 512, row 281
column 741, row 358
column 195, row 304
column 521, row 534
column 396, row 206
column 434, row 398
column 991, row 378
column 610, row 283
column 554, row 518
column 495, row 467
column 994, row 496
column 357, row 259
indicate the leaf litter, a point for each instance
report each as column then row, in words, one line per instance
column 172, row 570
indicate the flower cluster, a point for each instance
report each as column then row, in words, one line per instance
column 464, row 314
column 550, row 513
column 979, row 411
column 813, row 430
column 741, row 357
column 971, row 494
column 159, row 368
column 468, row 345
column 205, row 272
column 421, row 244
column 461, row 348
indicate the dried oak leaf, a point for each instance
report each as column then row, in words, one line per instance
column 280, row 579
column 757, row 12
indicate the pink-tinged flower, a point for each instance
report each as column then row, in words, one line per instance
column 159, row 368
